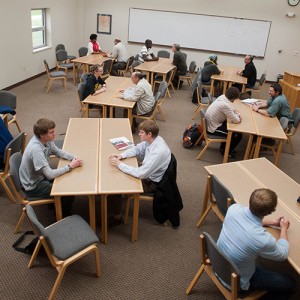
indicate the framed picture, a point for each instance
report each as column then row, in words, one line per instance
column 104, row 23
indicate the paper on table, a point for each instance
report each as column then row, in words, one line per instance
column 121, row 143
column 250, row 101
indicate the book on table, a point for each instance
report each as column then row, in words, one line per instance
column 121, row 143
column 250, row 101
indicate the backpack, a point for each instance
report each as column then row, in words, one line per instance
column 191, row 134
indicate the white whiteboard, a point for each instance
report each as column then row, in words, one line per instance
column 194, row 31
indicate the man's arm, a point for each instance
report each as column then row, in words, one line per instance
column 136, row 94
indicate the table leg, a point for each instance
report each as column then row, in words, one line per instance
column 249, row 144
column 136, row 204
column 278, row 153
column 111, row 111
column 225, row 83
column 212, row 90
column 257, row 147
column 228, row 141
column 87, row 108
column 104, row 219
column 104, row 111
column 130, row 116
column 92, row 212
column 243, row 88
column 74, row 73
column 58, row 208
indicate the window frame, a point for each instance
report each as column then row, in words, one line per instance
column 42, row 29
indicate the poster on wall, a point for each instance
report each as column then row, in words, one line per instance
column 104, row 23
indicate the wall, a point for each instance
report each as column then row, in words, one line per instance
column 283, row 35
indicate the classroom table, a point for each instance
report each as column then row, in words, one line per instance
column 162, row 66
column 110, row 97
column 87, row 61
column 243, row 177
column 89, row 139
column 252, row 124
column 228, row 76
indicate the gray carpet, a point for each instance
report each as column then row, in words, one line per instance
column 163, row 261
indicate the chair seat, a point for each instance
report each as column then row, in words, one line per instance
column 204, row 100
column 187, row 75
column 71, row 57
column 256, row 86
column 55, row 74
column 69, row 66
column 215, row 137
column 65, row 241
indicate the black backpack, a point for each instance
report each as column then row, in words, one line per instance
column 191, row 134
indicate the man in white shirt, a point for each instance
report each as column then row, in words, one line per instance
column 146, row 53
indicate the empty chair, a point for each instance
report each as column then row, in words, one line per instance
column 221, row 270
column 218, row 199
column 62, row 61
column 189, row 75
column 163, row 53
column 9, row 99
column 258, row 85
column 289, row 134
column 107, row 65
column 208, row 138
column 54, row 75
column 128, row 66
column 17, row 144
column 134, row 64
column 196, row 80
column 64, row 242
column 169, row 79
column 62, row 47
column 82, row 51
column 136, row 57
column 162, row 89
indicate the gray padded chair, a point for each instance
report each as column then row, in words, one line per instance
column 292, row 132
column 219, row 198
column 222, row 271
column 62, row 61
column 107, row 66
column 162, row 89
column 163, row 53
column 64, row 242
column 189, row 75
column 9, row 99
column 16, row 145
column 136, row 57
column 54, row 75
column 82, row 51
column 62, row 47
column 127, row 68
column 258, row 85
column 83, row 77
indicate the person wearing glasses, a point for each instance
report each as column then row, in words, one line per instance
column 94, row 83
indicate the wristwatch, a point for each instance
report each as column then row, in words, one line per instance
column 70, row 169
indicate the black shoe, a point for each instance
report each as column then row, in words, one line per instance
column 114, row 222
column 230, row 154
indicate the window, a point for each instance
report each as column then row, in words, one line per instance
column 38, row 26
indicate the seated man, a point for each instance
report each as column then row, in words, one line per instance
column 146, row 53
column 36, row 175
column 216, row 118
column 179, row 60
column 210, row 68
column 249, row 72
column 153, row 151
column 243, row 239
column 277, row 105
column 141, row 93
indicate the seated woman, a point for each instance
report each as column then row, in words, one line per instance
column 210, row 68
column 94, row 83
column 93, row 45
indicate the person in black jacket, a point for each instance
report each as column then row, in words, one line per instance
column 249, row 72
column 94, row 81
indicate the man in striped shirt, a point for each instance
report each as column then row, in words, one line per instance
column 216, row 118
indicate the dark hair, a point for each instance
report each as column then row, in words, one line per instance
column 149, row 126
column 262, row 202
column 277, row 88
column 232, row 93
column 177, row 47
column 147, row 42
column 93, row 36
column 94, row 68
column 42, row 126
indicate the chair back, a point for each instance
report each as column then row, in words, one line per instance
column 84, row 77
column 196, row 79
column 14, row 165
column 38, row 228
column 163, row 53
column 8, row 99
column 80, row 90
column 47, row 67
column 262, row 79
column 203, row 123
column 130, row 61
column 136, row 57
column 157, row 96
column 222, row 267
column 107, row 65
column 135, row 64
column 60, row 47
column 61, row 55
column 193, row 66
column 284, row 123
column 221, row 194
column 163, row 89
column 170, row 76
column 296, row 117
column 82, row 51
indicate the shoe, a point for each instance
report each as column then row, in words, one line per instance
column 114, row 222
column 230, row 154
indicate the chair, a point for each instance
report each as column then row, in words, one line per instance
column 162, row 89
column 221, row 270
column 62, row 61
column 14, row 146
column 14, row 181
column 163, row 53
column 83, row 77
column 80, row 93
column 296, row 117
column 134, row 64
column 136, row 57
column 62, row 47
column 54, row 75
column 128, row 66
column 82, row 51
column 9, row 99
column 259, row 84
column 65, row 242
column 221, row 202
column 190, row 74
column 202, row 101
column 169, row 78
column 208, row 138
column 107, row 66
column 150, row 115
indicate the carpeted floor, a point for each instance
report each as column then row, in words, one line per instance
column 163, row 261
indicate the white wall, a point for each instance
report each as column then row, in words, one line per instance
column 74, row 20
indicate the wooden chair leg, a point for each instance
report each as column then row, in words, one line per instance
column 49, row 85
column 197, row 111
column 202, row 152
column 195, row 279
column 291, row 145
column 22, row 217
column 7, row 190
column 97, row 261
column 204, row 215
column 34, row 254
column 57, row 283
column 161, row 113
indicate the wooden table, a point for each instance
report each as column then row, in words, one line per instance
column 228, row 76
column 82, row 139
column 254, row 124
column 87, row 61
column 111, row 180
column 89, row 139
column 162, row 66
column 243, row 177
column 110, row 97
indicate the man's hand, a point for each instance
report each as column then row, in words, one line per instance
column 76, row 162
column 255, row 107
column 114, row 159
column 284, row 223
